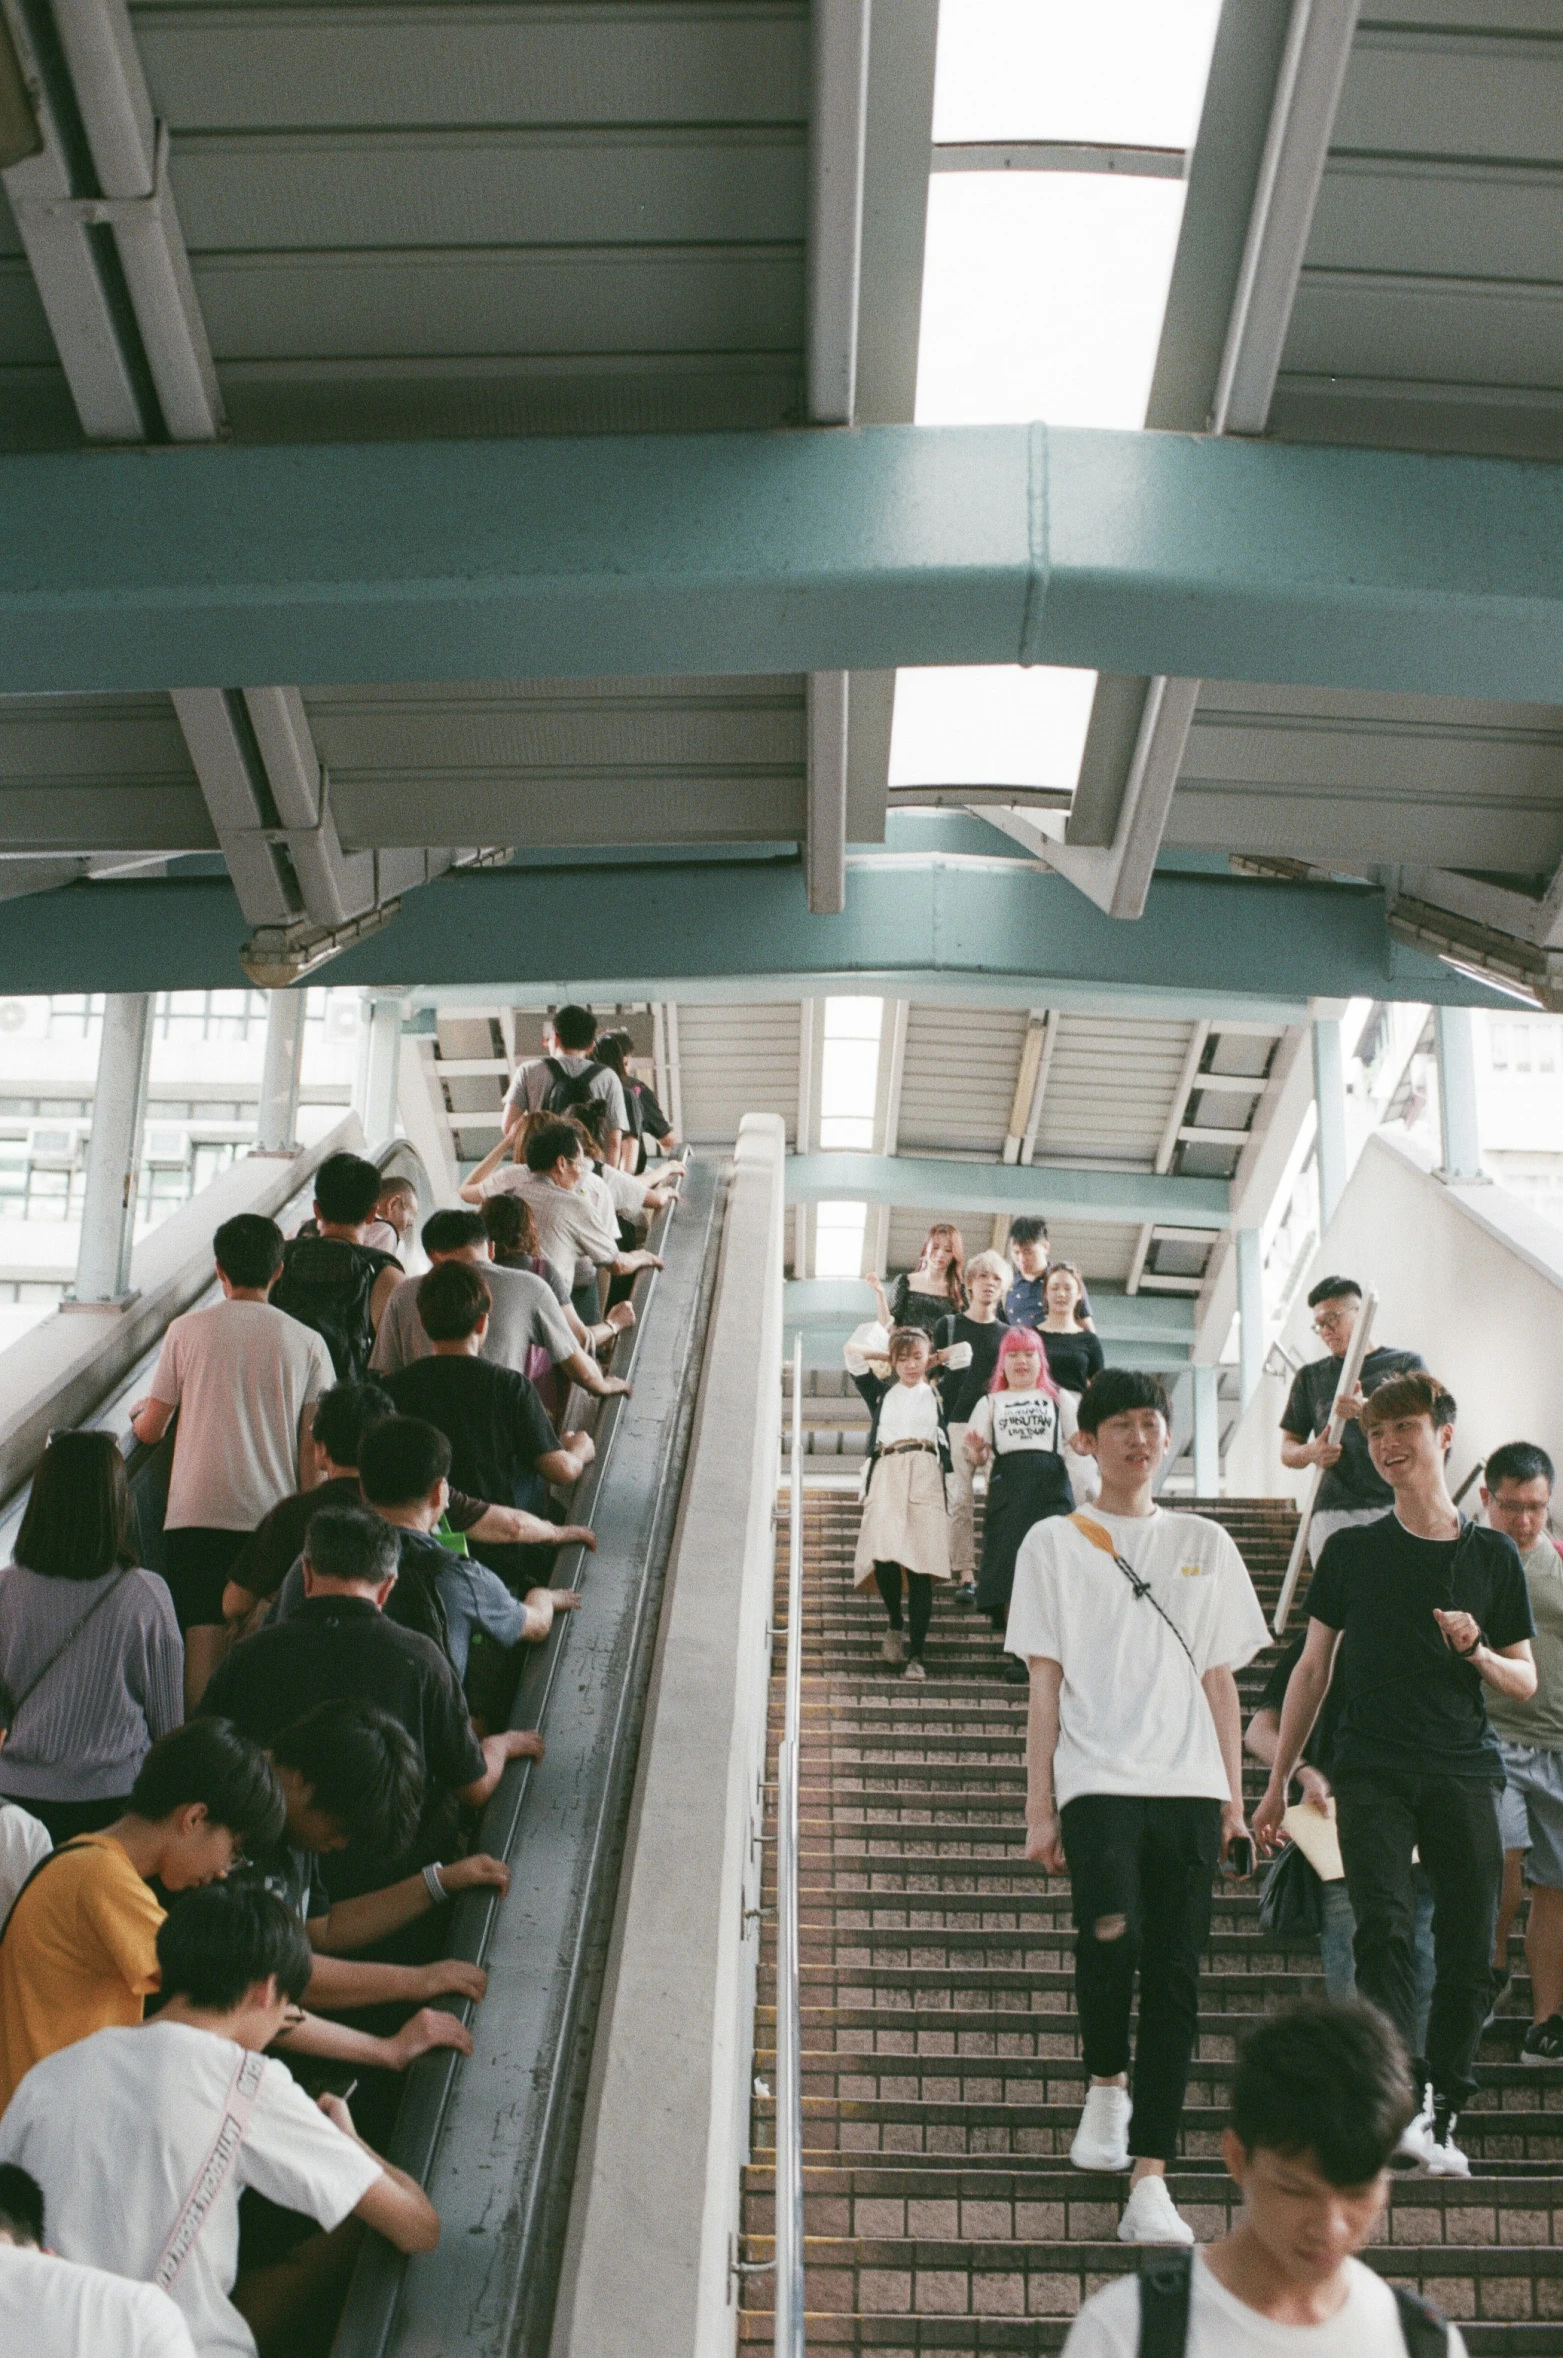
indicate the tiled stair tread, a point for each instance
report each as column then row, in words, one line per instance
column 921, row 1925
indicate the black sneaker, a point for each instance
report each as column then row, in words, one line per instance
column 1544, row 2041
column 1498, row 1990
column 966, row 1594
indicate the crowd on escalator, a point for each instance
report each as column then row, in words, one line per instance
column 1413, row 1733
column 241, row 1793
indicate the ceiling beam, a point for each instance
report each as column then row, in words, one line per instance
column 781, row 552
column 913, row 1183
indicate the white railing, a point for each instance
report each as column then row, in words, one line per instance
column 789, row 2026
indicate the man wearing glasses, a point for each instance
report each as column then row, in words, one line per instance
column 1352, row 1490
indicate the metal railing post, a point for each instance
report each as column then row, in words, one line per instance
column 789, row 2027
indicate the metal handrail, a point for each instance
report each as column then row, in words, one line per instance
column 789, row 2021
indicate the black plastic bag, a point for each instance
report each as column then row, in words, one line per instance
column 1291, row 1906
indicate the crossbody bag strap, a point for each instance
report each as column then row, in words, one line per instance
column 66, row 1643
column 48, row 1859
column 1141, row 1586
column 215, row 2170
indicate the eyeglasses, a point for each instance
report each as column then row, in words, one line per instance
column 1329, row 1320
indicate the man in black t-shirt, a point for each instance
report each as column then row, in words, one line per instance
column 1416, row 1614
column 1351, row 1491
column 499, row 1434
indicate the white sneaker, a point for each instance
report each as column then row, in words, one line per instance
column 1446, row 2159
column 894, row 1648
column 1102, row 2140
column 1418, row 2142
column 914, row 1669
column 1150, row 2216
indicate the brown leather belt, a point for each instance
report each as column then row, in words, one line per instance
column 900, row 1448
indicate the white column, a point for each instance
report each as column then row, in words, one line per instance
column 382, row 1072
column 277, row 1118
column 108, row 1214
column 1207, row 1432
column 1453, row 1036
column 1250, row 1314
column 1329, row 1098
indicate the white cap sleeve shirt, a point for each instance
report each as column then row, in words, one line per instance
column 115, row 2130
column 51, row 2308
column 1133, row 1716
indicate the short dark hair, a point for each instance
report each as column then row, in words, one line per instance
column 510, row 1227
column 452, row 1231
column 1330, row 1289
column 347, row 1188
column 362, row 1768
column 1030, row 1228
column 550, row 1142
column 1324, row 2078
column 345, row 1414
column 248, row 1249
column 575, row 1029
column 1416, row 1393
column 216, row 1943
column 1118, row 1389
column 210, row 1760
column 21, row 2205
column 1519, row 1461
column 77, row 1524
column 451, row 1300
column 348, row 1543
column 402, row 1460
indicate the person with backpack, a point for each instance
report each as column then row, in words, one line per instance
column 143, row 2139
column 567, row 1075
column 1134, row 1622
column 331, row 1279
column 244, row 1378
column 1320, row 2097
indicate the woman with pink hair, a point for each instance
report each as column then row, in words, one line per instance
column 1019, row 1430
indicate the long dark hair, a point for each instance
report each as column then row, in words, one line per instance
column 77, row 1524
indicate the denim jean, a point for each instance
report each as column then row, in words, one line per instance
column 1335, row 1938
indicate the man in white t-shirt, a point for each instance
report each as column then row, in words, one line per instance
column 244, row 1378
column 121, row 2129
column 1320, row 2098
column 571, row 1227
column 524, row 1312
column 1134, row 1622
column 51, row 2308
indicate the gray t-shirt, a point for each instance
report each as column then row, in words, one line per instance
column 533, row 1082
column 241, row 1375
column 525, row 1316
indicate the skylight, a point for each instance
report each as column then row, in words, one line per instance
column 838, row 1239
column 849, row 1074
column 1044, row 292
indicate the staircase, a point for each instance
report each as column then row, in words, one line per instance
column 941, row 2072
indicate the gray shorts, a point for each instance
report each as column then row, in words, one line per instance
column 1530, row 1811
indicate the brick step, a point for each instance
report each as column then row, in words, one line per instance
column 1060, row 2078
column 919, row 2024
column 983, row 1983
column 909, row 2335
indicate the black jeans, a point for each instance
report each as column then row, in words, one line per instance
column 1453, row 1822
column 1150, row 1862
column 919, row 1602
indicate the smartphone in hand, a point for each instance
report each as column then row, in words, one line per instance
column 1239, row 1861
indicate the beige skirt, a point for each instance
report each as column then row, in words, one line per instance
column 905, row 1519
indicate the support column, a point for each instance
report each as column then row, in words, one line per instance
column 1329, row 1098
column 1251, row 1339
column 277, row 1117
column 382, row 1071
column 1453, row 1034
column 1207, row 1432
column 108, row 1213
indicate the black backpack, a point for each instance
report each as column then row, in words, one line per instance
column 567, row 1091
column 415, row 1604
column 1164, row 2311
column 327, row 1283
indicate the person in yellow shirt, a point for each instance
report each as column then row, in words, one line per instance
column 78, row 1952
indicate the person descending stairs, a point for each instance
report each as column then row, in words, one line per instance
column 942, row 2078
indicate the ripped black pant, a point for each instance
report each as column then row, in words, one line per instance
column 1141, row 1867
column 919, row 1602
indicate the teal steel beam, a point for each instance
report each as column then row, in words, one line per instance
column 922, row 1183
column 1001, row 931
column 809, row 550
column 1119, row 1317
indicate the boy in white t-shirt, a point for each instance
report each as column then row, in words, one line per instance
column 51, row 2308
column 1320, row 2098
column 1133, row 1622
column 143, row 2139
